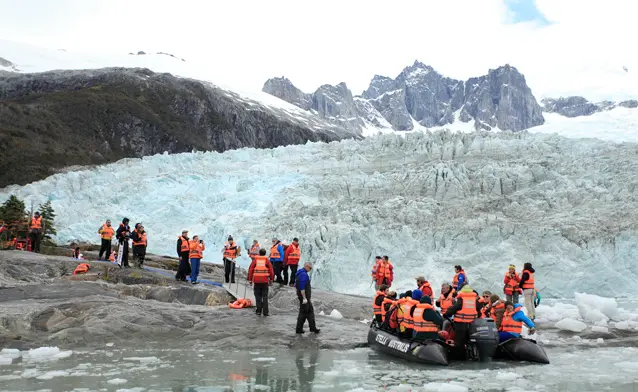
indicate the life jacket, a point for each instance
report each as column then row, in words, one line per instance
column 509, row 324
column 494, row 308
column 241, row 303
column 384, row 271
column 185, row 246
column 81, row 268
column 421, row 325
column 260, row 273
column 36, row 223
column 511, row 284
column 230, row 252
column 386, row 305
column 377, row 309
column 106, row 232
column 467, row 313
column 529, row 283
column 483, row 311
column 374, row 269
column 142, row 239
column 294, row 255
column 112, row 256
column 447, row 302
column 393, row 322
column 254, row 251
column 405, row 320
column 274, row 252
column 196, row 250
column 426, row 289
column 455, row 280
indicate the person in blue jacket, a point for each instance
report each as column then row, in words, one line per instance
column 459, row 278
column 513, row 320
column 304, row 293
column 277, row 259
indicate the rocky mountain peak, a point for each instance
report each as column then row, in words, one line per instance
column 283, row 88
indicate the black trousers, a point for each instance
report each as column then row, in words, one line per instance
column 293, row 272
column 35, row 241
column 306, row 312
column 229, row 270
column 184, row 268
column 139, row 252
column 278, row 267
column 125, row 253
column 105, row 249
column 261, row 297
column 461, row 337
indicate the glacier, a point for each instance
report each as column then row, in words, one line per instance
column 429, row 200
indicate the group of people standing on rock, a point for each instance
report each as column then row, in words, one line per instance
column 123, row 234
column 266, row 270
column 413, row 314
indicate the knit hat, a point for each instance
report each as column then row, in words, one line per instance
column 467, row 289
column 230, row 238
column 417, row 294
column 512, row 266
column 426, row 300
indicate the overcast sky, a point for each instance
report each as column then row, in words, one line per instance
column 330, row 41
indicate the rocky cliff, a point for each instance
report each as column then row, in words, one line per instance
column 56, row 119
column 578, row 106
column 421, row 96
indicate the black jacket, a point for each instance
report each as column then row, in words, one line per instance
column 123, row 233
column 179, row 246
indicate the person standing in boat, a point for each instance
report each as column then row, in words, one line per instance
column 459, row 278
column 527, row 284
column 464, row 312
column 513, row 320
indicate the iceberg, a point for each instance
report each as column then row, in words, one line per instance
column 427, row 200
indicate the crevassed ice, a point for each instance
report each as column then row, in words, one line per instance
column 429, row 201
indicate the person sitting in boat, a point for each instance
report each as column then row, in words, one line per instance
column 496, row 309
column 405, row 311
column 377, row 303
column 464, row 312
column 427, row 322
column 445, row 301
column 513, row 320
column 484, row 304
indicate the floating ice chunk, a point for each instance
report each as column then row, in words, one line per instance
column 628, row 365
column 137, row 389
column 597, row 328
column 110, row 344
column 117, row 381
column 264, row 359
column 593, row 308
column 322, row 313
column 45, row 354
column 7, row 355
column 146, row 360
column 52, row 374
column 571, row 325
column 507, row 376
column 627, row 325
column 335, row 314
column 444, row 387
column 365, row 321
column 600, row 341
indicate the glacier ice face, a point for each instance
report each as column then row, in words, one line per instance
column 428, row 200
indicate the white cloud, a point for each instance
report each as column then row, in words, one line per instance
column 332, row 41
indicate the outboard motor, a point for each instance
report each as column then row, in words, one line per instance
column 483, row 338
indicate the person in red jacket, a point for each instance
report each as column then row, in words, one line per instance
column 261, row 275
column 385, row 272
column 291, row 261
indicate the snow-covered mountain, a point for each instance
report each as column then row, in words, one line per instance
column 421, row 97
column 429, row 200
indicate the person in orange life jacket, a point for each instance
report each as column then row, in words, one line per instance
column 445, row 301
column 375, row 267
column 459, row 278
column 230, row 254
column 139, row 244
column 196, row 254
column 123, row 234
column 464, row 312
column 35, row 232
column 496, row 310
column 483, row 304
column 304, row 292
column 404, row 312
column 260, row 276
column 387, row 303
column 183, row 251
column 527, row 284
column 385, row 272
column 511, row 283
column 377, row 303
column 292, row 255
column 106, row 233
column 427, row 321
column 513, row 321
column 424, row 286
column 254, row 249
column 277, row 259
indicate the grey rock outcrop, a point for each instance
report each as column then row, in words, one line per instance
column 57, row 119
column 576, row 106
column 420, row 95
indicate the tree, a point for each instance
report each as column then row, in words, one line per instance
column 48, row 216
column 13, row 210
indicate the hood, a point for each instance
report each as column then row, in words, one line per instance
column 517, row 306
column 467, row 289
column 532, row 270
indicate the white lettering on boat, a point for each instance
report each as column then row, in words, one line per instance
column 382, row 339
column 400, row 346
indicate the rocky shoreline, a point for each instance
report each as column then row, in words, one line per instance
column 43, row 304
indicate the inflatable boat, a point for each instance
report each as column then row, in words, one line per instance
column 519, row 349
column 428, row 352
